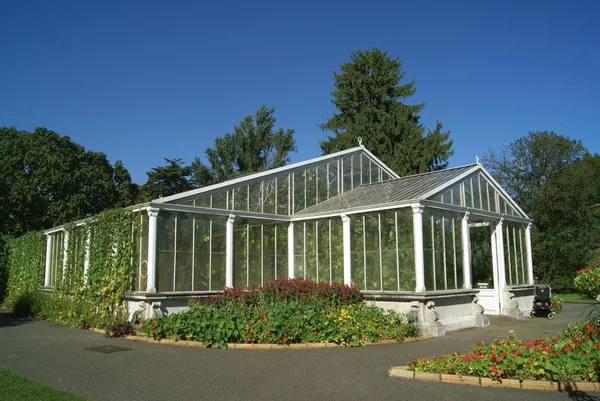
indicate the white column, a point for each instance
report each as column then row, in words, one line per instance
column 418, row 241
column 229, row 252
column 291, row 250
column 66, row 246
column 86, row 257
column 529, row 255
column 347, row 254
column 152, row 220
column 466, row 250
column 500, row 254
column 47, row 271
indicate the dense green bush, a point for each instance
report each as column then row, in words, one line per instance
column 25, row 266
column 572, row 355
column 283, row 312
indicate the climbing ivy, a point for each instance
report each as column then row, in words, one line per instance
column 26, row 261
column 93, row 300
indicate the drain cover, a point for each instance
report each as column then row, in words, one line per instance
column 108, row 349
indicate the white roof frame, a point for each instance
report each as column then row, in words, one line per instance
column 274, row 172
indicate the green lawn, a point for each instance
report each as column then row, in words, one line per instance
column 573, row 297
column 17, row 388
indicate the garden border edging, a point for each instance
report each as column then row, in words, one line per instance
column 565, row 385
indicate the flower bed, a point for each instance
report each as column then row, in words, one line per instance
column 572, row 355
column 283, row 312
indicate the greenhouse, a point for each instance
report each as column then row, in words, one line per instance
column 448, row 246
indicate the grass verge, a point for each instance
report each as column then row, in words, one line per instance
column 18, row 388
column 575, row 298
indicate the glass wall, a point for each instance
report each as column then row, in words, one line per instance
column 57, row 251
column 382, row 251
column 482, row 256
column 319, row 250
column 191, row 252
column 140, row 253
column 442, row 249
column 260, row 252
column 477, row 192
column 515, row 253
column 296, row 190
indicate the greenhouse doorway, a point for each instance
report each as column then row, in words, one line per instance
column 484, row 266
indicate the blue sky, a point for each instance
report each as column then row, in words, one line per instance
column 144, row 80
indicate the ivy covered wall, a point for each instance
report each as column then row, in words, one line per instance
column 95, row 299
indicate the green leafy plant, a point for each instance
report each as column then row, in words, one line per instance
column 557, row 303
column 283, row 312
column 587, row 281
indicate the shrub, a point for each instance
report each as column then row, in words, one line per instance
column 572, row 355
column 587, row 281
column 283, row 312
column 557, row 303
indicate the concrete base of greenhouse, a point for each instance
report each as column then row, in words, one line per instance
column 565, row 385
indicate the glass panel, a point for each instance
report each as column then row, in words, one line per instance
column 282, row 195
column 218, row 251
column 485, row 202
column 219, row 200
column 311, row 251
column 389, row 263
column 458, row 255
column 183, row 252
column 447, row 197
column 508, row 268
column 240, row 198
column 311, row 187
column 385, row 176
column 322, row 186
column 203, row 201
column 375, row 173
column 323, row 257
column 438, row 246
column 333, row 179
column 366, row 170
column 450, row 259
column 406, row 249
column 165, row 232
column 281, row 257
column 476, row 193
column 299, row 250
column 373, row 265
column 268, row 196
column 481, row 256
column 299, row 191
column 269, row 232
column 143, row 253
column 428, row 250
column 256, row 199
column 337, row 250
column 456, row 198
column 502, row 204
column 201, row 253
column 254, row 254
column 356, row 171
column 493, row 198
column 347, row 173
column 240, row 253
column 357, row 251
column 468, row 195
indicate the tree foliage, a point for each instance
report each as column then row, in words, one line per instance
column 530, row 161
column 46, row 179
column 170, row 179
column 370, row 103
column 255, row 145
column 567, row 221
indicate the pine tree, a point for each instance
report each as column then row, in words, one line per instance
column 369, row 100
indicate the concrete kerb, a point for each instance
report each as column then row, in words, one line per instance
column 405, row 373
column 261, row 347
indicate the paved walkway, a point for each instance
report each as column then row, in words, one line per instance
column 57, row 355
